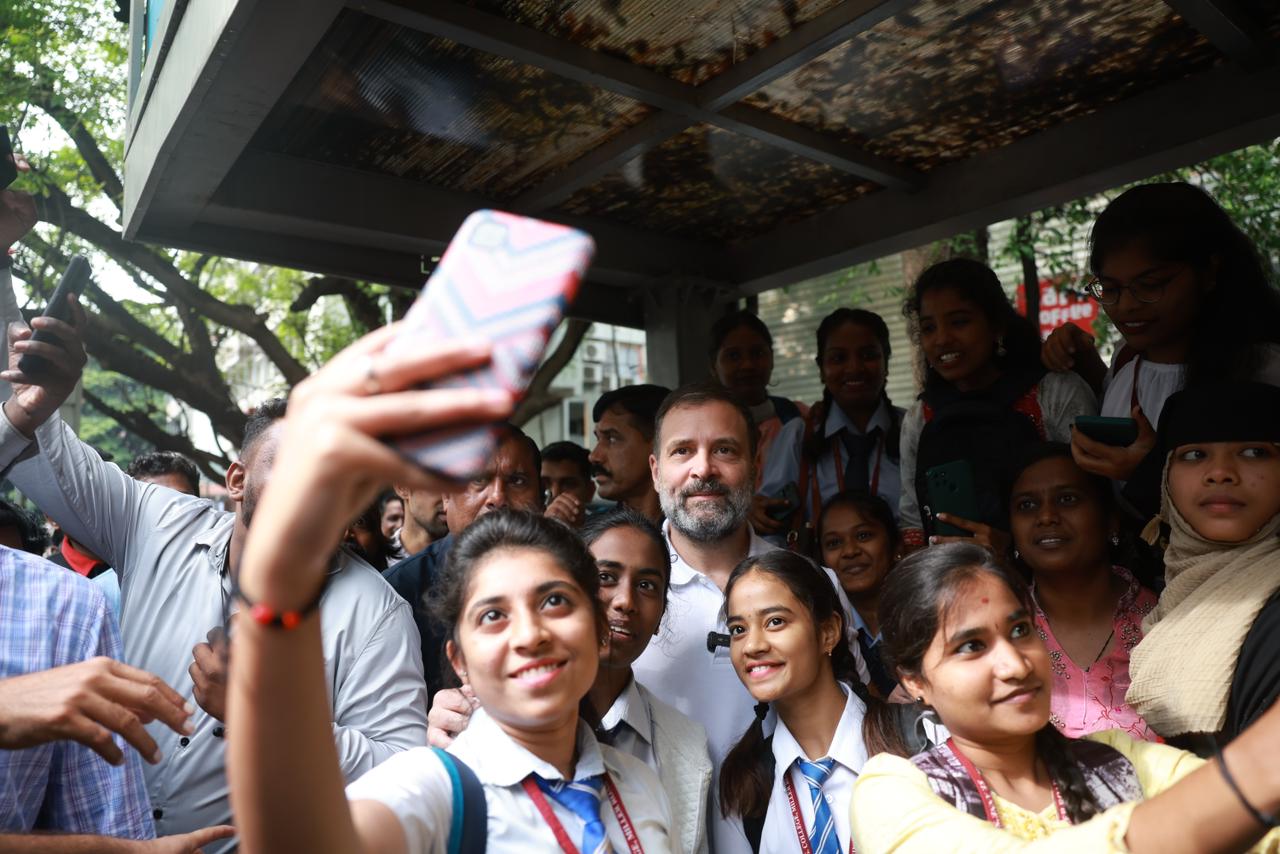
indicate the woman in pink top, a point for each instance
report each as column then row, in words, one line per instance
column 1088, row 610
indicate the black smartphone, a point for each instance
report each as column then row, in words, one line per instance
column 73, row 281
column 1117, row 432
column 8, row 169
column 791, row 495
column 950, row 489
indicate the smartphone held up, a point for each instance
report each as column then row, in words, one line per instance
column 507, row 278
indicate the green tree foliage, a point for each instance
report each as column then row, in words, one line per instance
column 63, row 68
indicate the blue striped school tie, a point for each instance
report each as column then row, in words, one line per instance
column 822, row 838
column 582, row 798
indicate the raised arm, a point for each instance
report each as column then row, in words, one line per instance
column 92, row 500
column 285, row 781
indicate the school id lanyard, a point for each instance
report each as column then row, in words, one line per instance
column 984, row 791
column 872, row 487
column 805, row 845
column 562, row 837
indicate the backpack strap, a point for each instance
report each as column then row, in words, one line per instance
column 469, row 825
column 754, row 824
column 785, row 408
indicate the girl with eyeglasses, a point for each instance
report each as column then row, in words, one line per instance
column 1189, row 293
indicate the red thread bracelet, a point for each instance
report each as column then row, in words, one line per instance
column 265, row 615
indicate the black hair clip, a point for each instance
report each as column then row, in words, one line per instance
column 716, row 639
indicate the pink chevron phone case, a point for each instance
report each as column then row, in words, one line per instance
column 505, row 277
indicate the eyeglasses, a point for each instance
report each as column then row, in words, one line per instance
column 1144, row 290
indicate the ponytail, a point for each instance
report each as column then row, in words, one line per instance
column 746, row 776
column 816, row 444
column 1051, row 746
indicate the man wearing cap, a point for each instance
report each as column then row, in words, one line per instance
column 624, row 439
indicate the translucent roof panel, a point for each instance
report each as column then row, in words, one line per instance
column 391, row 100
column 951, row 78
column 688, row 40
column 713, row 185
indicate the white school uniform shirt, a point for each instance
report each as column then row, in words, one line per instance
column 1158, row 380
column 850, row 753
column 785, row 458
column 416, row 787
column 675, row 747
column 680, row 671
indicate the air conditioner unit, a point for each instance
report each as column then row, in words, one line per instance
column 591, row 373
column 593, row 352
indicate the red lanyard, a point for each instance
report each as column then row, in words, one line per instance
column 805, row 845
column 984, row 791
column 566, row 844
column 873, row 487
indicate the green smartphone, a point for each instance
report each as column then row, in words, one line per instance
column 791, row 495
column 1117, row 432
column 950, row 489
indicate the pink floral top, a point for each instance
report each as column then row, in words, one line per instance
column 1091, row 698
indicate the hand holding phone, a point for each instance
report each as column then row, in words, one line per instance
column 73, row 281
column 791, row 495
column 508, row 278
column 1116, row 432
column 951, row 489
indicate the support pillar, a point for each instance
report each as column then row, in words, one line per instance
column 677, row 324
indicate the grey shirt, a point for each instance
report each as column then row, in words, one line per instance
column 170, row 550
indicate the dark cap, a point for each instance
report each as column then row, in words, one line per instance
column 1227, row 412
column 640, row 401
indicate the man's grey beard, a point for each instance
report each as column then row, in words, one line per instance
column 710, row 524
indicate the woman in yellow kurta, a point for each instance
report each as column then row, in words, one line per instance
column 960, row 631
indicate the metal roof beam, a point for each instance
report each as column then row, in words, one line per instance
column 318, row 201
column 1229, row 27
column 807, row 41
column 496, row 35
column 1181, row 123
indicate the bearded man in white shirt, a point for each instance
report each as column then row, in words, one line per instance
column 704, row 449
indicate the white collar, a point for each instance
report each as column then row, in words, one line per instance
column 499, row 761
column 683, row 573
column 837, row 420
column 847, row 748
column 631, row 708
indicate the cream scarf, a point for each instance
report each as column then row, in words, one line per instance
column 1182, row 668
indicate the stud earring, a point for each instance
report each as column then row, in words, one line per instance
column 1115, row 539
column 1016, row 555
column 1000, row 350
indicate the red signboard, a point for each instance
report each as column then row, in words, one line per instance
column 1059, row 307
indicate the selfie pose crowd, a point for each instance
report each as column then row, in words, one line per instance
column 1036, row 609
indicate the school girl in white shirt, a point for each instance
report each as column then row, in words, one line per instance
column 793, row 790
column 635, row 571
column 520, row 592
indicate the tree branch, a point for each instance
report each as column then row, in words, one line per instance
column 362, row 308
column 140, row 424
column 43, row 96
column 57, row 209
column 539, row 398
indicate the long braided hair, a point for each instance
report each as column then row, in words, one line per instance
column 919, row 594
column 817, row 445
column 745, row 778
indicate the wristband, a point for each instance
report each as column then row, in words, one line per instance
column 265, row 615
column 1267, row 821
